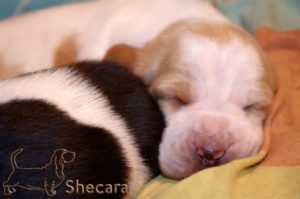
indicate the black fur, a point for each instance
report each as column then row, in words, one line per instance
column 131, row 106
column 40, row 128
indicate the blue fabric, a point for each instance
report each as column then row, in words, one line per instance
column 13, row 7
column 7, row 7
column 251, row 14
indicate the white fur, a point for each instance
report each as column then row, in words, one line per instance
column 29, row 42
column 83, row 103
column 224, row 78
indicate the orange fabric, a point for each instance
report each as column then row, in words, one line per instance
column 283, row 125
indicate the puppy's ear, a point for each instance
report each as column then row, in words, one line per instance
column 122, row 54
column 269, row 85
column 270, row 78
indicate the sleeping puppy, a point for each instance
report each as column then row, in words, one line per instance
column 87, row 130
column 75, row 32
column 210, row 80
column 213, row 85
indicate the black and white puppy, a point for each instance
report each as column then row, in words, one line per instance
column 98, row 114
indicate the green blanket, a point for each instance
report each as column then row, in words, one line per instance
column 237, row 180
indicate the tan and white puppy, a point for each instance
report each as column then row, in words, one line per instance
column 63, row 35
column 213, row 85
column 210, row 79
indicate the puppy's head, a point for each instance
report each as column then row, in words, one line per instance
column 210, row 80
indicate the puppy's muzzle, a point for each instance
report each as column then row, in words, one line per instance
column 209, row 157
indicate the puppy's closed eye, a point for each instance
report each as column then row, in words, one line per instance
column 171, row 91
column 169, row 96
column 173, row 99
column 255, row 107
column 250, row 107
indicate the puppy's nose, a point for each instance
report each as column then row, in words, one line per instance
column 210, row 157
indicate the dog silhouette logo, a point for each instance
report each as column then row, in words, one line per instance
column 46, row 178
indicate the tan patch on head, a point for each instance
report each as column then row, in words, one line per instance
column 173, row 94
column 122, row 54
column 222, row 33
column 172, row 89
column 161, row 50
column 66, row 52
column 168, row 86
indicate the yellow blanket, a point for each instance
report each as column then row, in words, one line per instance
column 275, row 172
